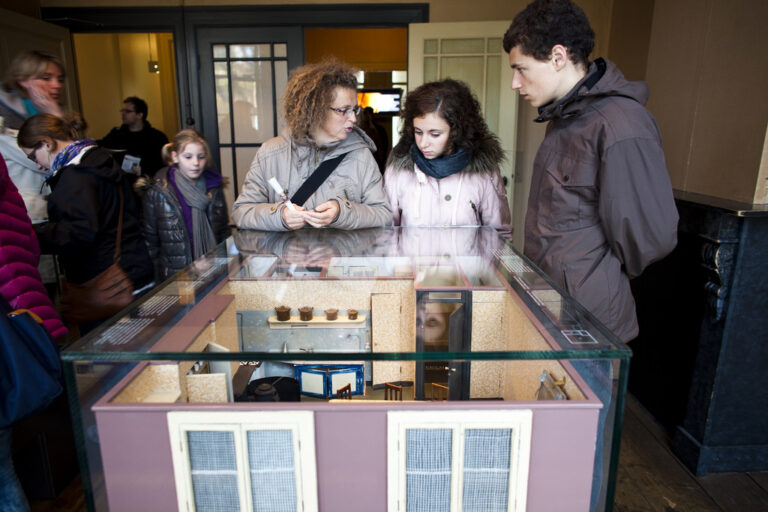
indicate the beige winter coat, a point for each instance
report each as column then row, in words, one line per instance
column 356, row 183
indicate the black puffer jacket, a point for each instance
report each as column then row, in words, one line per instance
column 164, row 227
column 83, row 209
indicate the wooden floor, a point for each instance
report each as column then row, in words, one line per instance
column 650, row 478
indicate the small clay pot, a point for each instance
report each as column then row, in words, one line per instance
column 331, row 314
column 283, row 313
column 352, row 314
column 305, row 314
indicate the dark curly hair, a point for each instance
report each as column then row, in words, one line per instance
column 453, row 101
column 310, row 91
column 546, row 23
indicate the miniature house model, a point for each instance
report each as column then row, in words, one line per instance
column 414, row 369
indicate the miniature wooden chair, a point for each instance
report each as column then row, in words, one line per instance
column 439, row 392
column 344, row 392
column 393, row 392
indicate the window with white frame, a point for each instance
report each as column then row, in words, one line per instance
column 458, row 460
column 244, row 461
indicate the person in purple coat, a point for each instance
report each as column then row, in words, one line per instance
column 22, row 288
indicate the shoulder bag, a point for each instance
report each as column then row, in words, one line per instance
column 316, row 179
column 101, row 296
column 30, row 370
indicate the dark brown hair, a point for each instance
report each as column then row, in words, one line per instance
column 42, row 127
column 453, row 101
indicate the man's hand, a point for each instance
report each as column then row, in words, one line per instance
column 294, row 219
column 323, row 214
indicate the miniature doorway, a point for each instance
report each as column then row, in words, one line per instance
column 443, row 324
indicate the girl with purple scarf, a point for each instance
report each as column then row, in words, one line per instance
column 185, row 213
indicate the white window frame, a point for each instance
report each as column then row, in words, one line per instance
column 519, row 421
column 300, row 423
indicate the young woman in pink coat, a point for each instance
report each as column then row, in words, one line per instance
column 444, row 171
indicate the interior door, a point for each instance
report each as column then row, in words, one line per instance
column 471, row 52
column 243, row 72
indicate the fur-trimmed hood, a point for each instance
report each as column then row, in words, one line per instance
column 485, row 159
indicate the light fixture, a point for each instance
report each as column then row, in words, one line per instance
column 153, row 65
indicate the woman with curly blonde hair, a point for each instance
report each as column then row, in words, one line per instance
column 320, row 171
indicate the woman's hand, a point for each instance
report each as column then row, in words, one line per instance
column 323, row 214
column 294, row 219
column 36, row 92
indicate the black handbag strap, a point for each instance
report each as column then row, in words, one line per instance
column 316, row 179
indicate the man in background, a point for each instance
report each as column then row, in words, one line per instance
column 142, row 143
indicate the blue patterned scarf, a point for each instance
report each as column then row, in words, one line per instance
column 442, row 166
column 67, row 154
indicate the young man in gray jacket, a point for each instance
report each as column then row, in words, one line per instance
column 600, row 207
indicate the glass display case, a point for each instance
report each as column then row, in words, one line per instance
column 381, row 369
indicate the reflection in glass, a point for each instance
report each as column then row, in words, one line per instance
column 244, row 158
column 281, row 79
column 227, row 170
column 252, row 101
column 240, row 51
column 219, row 51
column 492, row 93
column 221, row 80
column 467, row 69
column 430, row 69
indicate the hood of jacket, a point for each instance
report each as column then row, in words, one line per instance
column 603, row 79
column 96, row 161
column 486, row 158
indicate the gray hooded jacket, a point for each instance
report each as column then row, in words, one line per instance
column 600, row 207
column 356, row 183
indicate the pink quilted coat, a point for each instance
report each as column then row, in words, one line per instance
column 20, row 281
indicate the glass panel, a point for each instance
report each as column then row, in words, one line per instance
column 214, row 470
column 428, row 469
column 430, row 69
column 270, row 459
column 495, row 45
column 492, row 93
column 399, row 77
column 281, row 79
column 486, row 470
column 252, row 101
column 462, row 46
column 466, row 69
column 281, row 50
column 244, row 158
column 221, row 79
column 430, row 46
column 227, row 170
column 219, row 51
column 244, row 51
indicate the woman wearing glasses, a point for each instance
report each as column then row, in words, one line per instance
column 85, row 204
column 320, row 171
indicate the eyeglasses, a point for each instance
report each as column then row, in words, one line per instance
column 126, row 111
column 32, row 155
column 344, row 111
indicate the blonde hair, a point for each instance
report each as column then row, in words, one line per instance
column 45, row 127
column 28, row 64
column 180, row 141
column 310, row 92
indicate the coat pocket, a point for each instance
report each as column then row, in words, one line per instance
column 572, row 189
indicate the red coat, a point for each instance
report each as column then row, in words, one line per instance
column 20, row 281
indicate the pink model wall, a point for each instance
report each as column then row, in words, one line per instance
column 351, row 453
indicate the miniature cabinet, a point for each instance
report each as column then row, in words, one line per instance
column 196, row 394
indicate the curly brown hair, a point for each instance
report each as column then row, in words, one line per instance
column 453, row 101
column 310, row 92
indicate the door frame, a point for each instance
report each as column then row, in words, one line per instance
column 184, row 22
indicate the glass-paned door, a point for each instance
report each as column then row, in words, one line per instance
column 243, row 73
column 471, row 52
